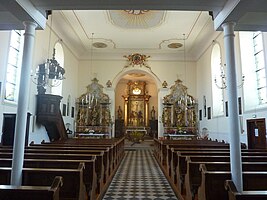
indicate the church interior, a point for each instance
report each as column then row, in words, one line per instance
column 164, row 101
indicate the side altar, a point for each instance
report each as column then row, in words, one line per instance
column 93, row 112
column 179, row 113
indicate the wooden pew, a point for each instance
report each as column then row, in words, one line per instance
column 102, row 156
column 9, row 192
column 172, row 160
column 193, row 175
column 107, row 156
column 98, row 162
column 73, row 187
column 89, row 173
column 112, row 154
column 212, row 183
column 187, row 144
column 181, row 168
column 233, row 194
column 117, row 142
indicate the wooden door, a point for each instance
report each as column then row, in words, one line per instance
column 256, row 133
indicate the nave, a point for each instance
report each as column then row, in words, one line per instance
column 139, row 177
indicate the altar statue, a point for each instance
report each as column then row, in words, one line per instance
column 119, row 113
column 153, row 113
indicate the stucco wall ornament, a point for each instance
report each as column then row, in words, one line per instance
column 137, row 59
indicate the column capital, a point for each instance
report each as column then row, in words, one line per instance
column 228, row 24
column 229, row 28
column 30, row 27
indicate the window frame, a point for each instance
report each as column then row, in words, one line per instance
column 16, row 67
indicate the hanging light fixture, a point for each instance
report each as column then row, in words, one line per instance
column 49, row 73
column 222, row 82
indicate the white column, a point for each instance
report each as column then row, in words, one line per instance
column 21, row 118
column 234, row 129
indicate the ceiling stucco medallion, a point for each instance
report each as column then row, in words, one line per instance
column 136, row 19
column 171, row 44
column 175, row 45
column 100, row 45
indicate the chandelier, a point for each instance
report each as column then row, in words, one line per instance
column 49, row 73
column 222, row 85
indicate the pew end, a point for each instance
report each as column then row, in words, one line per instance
column 233, row 194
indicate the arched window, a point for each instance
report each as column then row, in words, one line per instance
column 217, row 71
column 59, row 56
column 14, row 65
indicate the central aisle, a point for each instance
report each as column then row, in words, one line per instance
column 139, row 177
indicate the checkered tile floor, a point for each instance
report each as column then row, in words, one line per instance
column 139, row 177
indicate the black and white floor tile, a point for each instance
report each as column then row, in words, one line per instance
column 139, row 177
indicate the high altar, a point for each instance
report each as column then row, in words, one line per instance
column 136, row 106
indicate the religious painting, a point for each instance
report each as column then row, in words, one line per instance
column 239, row 106
column 200, row 115
column 226, row 108
column 137, row 108
column 68, row 105
column 205, row 106
column 209, row 112
column 64, row 109
column 72, row 112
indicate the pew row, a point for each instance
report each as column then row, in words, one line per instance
column 215, row 156
column 193, row 174
column 233, row 194
column 116, row 153
column 212, row 183
column 10, row 192
column 73, row 187
column 89, row 173
column 77, row 157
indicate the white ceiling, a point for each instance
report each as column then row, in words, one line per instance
column 134, row 35
column 89, row 16
column 186, row 22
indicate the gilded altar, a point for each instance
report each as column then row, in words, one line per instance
column 179, row 110
column 136, row 105
column 93, row 112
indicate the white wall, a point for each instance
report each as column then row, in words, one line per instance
column 70, row 84
column 105, row 70
column 217, row 126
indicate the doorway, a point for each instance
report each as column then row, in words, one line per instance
column 256, row 133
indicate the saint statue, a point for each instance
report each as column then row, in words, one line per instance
column 153, row 113
column 119, row 113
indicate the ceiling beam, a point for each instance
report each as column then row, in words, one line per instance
column 19, row 11
column 224, row 13
column 193, row 5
